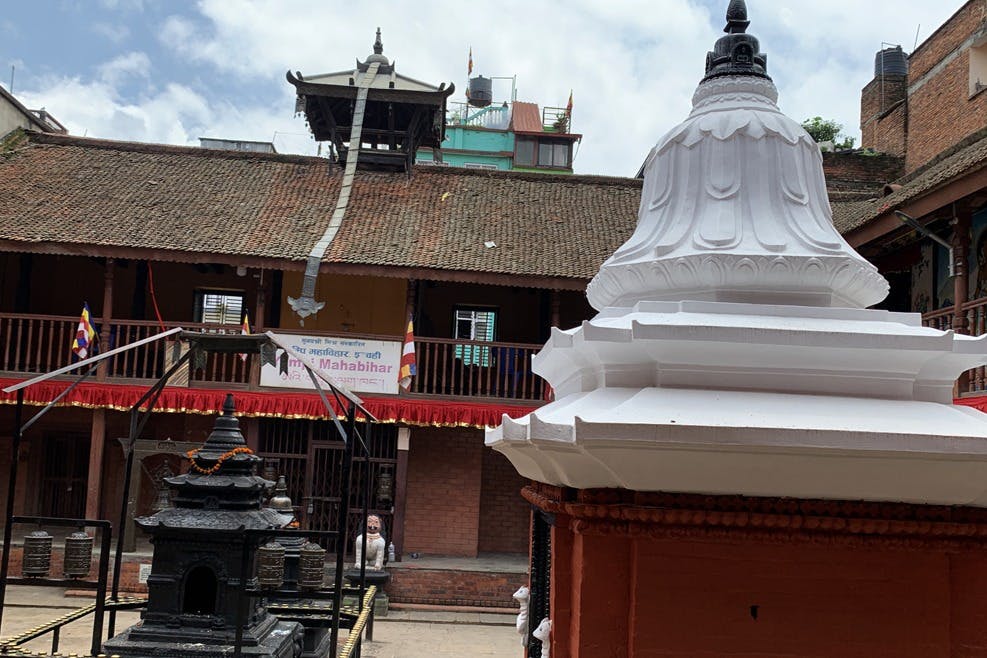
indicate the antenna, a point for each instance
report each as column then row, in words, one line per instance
column 917, row 28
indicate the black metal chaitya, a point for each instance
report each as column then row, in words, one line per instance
column 196, row 577
column 205, row 596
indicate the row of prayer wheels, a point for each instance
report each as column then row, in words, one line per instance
column 311, row 566
column 78, row 554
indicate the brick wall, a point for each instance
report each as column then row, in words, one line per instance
column 883, row 114
column 941, row 111
column 443, row 500
column 855, row 171
column 459, row 588
column 504, row 515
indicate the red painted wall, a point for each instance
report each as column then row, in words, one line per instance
column 619, row 596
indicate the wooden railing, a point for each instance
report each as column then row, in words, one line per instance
column 33, row 344
column 476, row 369
column 973, row 381
column 41, row 343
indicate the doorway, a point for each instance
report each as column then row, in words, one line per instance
column 63, row 475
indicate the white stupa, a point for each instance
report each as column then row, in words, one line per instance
column 733, row 352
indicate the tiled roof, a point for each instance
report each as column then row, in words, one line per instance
column 970, row 157
column 74, row 192
column 525, row 117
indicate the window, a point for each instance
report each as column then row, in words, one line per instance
column 477, row 325
column 978, row 65
column 524, row 153
column 531, row 152
column 218, row 306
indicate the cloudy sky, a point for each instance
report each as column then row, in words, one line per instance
column 172, row 70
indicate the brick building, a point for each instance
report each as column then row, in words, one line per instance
column 930, row 109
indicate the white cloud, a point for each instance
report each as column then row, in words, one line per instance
column 632, row 65
column 114, row 32
column 120, row 68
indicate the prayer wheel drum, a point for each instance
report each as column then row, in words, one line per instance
column 78, row 555
column 270, row 565
column 37, row 554
column 311, row 564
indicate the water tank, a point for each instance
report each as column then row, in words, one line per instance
column 481, row 91
column 891, row 61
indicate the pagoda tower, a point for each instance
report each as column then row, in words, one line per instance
column 196, row 574
column 742, row 459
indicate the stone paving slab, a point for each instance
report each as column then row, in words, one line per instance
column 401, row 634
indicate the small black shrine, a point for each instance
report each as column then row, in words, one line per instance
column 398, row 114
column 198, row 552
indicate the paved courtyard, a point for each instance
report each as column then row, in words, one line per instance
column 402, row 634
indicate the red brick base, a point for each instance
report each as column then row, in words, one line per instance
column 455, row 588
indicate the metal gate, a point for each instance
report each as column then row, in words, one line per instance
column 539, row 606
column 64, row 475
column 310, row 453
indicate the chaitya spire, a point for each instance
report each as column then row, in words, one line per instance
column 378, row 55
column 738, row 53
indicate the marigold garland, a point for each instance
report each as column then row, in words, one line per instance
column 192, row 454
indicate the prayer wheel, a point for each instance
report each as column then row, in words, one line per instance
column 78, row 554
column 385, row 487
column 37, row 554
column 270, row 565
column 311, row 563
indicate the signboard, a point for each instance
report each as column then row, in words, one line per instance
column 363, row 366
column 143, row 571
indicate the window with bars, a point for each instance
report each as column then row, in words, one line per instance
column 218, row 306
column 477, row 325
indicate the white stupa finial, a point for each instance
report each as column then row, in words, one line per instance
column 734, row 205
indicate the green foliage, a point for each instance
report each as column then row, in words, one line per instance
column 827, row 130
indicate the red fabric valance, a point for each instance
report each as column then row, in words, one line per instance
column 979, row 402
column 410, row 411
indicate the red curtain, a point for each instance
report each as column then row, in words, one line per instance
column 410, row 411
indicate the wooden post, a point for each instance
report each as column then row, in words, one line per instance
column 400, row 491
column 97, row 436
column 253, row 381
column 555, row 302
column 961, row 250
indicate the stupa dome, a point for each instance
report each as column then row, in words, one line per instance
column 734, row 204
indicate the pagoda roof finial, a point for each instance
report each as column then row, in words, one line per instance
column 736, row 17
column 378, row 44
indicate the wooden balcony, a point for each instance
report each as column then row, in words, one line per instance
column 33, row 344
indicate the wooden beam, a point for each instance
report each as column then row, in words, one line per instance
column 887, row 222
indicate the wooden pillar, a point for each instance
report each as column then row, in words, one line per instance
column 97, row 436
column 555, row 303
column 400, row 491
column 253, row 381
column 961, row 251
column 409, row 301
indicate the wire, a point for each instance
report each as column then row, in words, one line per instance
column 154, row 298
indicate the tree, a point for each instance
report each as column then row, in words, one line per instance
column 827, row 130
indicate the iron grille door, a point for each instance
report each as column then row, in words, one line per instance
column 541, row 577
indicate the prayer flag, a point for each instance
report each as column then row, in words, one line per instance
column 408, row 367
column 568, row 108
column 469, row 67
column 85, row 335
column 245, row 330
